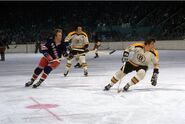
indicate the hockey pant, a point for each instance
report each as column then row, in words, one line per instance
column 128, row 68
column 46, row 67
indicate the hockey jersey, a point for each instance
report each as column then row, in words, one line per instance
column 53, row 49
column 78, row 41
column 141, row 57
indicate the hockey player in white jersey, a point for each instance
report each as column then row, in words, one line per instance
column 143, row 55
column 78, row 48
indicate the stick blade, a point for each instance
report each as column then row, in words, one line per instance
column 111, row 52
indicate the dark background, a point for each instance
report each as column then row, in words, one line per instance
column 25, row 22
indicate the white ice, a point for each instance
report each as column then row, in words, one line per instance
column 81, row 100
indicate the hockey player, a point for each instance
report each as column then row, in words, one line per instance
column 37, row 46
column 78, row 47
column 143, row 54
column 3, row 46
column 97, row 44
column 52, row 51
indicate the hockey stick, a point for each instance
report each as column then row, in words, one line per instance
column 108, row 48
column 119, row 90
column 81, row 50
column 104, row 48
column 78, row 49
column 111, row 52
column 59, row 59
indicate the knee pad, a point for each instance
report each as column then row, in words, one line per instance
column 82, row 59
column 47, row 70
column 119, row 75
column 140, row 74
column 69, row 61
column 38, row 71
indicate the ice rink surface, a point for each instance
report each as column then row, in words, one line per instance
column 81, row 100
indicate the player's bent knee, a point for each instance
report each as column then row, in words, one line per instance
column 47, row 69
column 141, row 74
column 38, row 70
column 43, row 62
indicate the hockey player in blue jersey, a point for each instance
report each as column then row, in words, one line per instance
column 52, row 52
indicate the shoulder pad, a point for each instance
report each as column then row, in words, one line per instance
column 72, row 33
column 83, row 33
column 141, row 45
column 155, row 52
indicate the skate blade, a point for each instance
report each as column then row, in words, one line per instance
column 120, row 90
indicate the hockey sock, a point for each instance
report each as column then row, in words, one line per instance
column 47, row 70
column 37, row 72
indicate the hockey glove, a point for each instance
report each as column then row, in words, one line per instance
column 70, row 55
column 65, row 54
column 125, row 56
column 154, row 77
column 86, row 48
column 69, row 48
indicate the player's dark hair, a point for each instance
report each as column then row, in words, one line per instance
column 78, row 26
column 149, row 41
column 56, row 31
